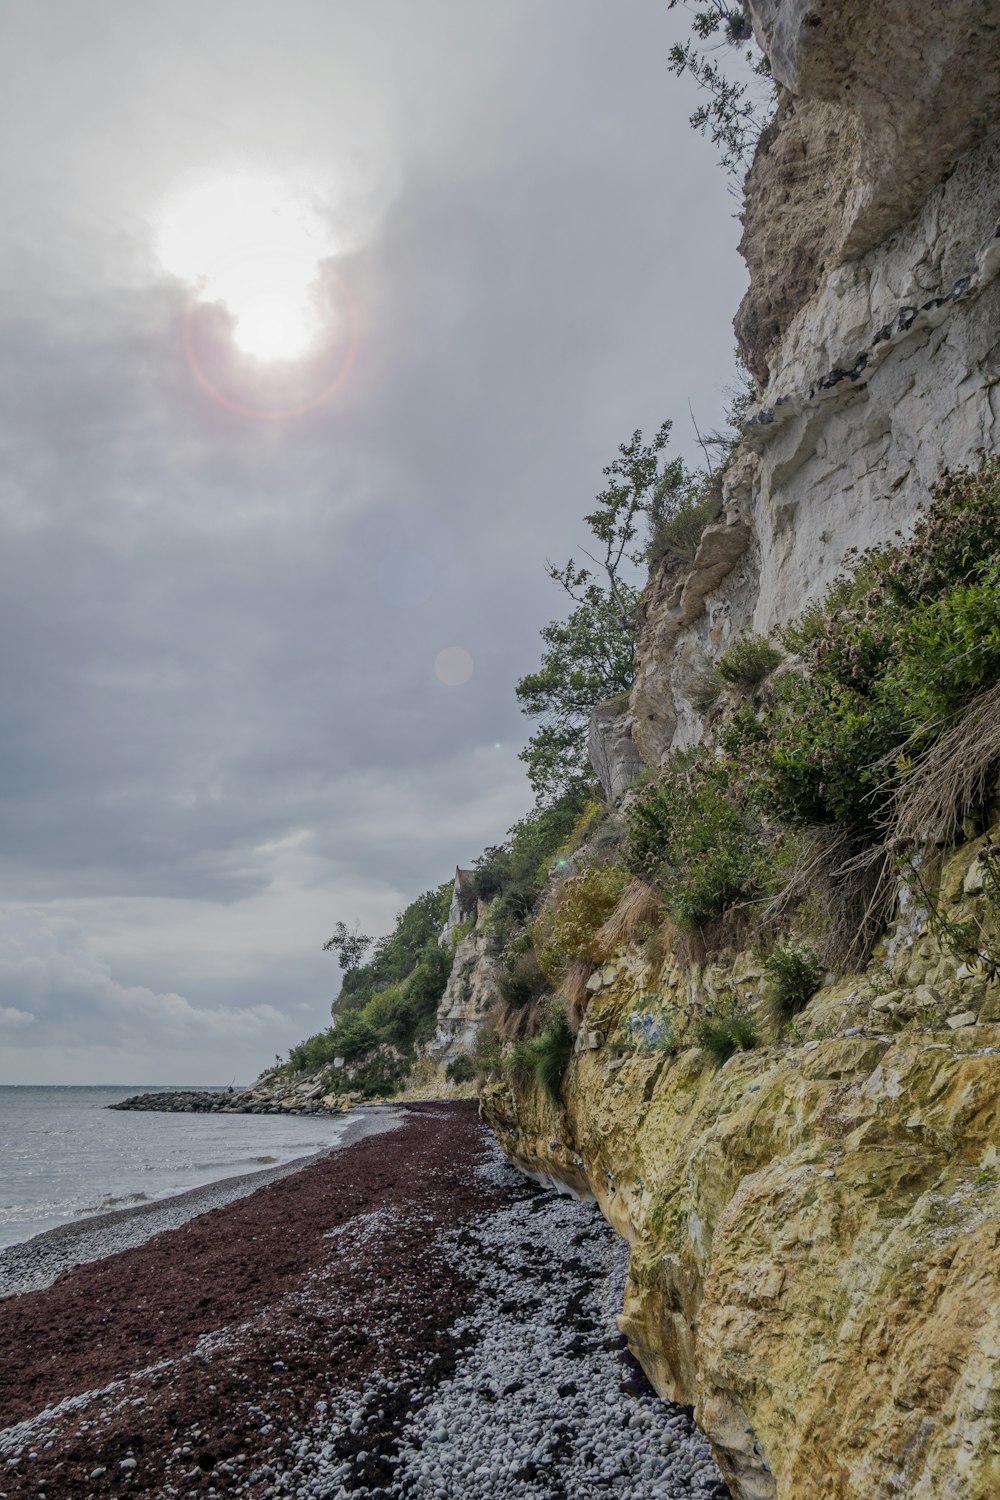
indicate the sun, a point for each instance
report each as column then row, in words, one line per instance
column 255, row 245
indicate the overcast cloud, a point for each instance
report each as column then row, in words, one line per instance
column 222, row 724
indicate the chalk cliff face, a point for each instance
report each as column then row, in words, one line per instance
column 815, row 1226
column 470, row 994
column 872, row 321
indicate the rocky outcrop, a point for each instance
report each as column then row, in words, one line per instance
column 879, row 105
column 610, row 749
column 872, row 323
column 814, row 1226
column 272, row 1094
column 470, row 994
column 463, row 902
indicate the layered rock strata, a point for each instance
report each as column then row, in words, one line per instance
column 872, row 322
column 814, row 1226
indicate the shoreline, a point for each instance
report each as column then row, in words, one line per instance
column 409, row 1319
column 33, row 1264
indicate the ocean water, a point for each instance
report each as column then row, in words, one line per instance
column 65, row 1156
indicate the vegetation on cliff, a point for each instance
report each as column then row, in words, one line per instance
column 790, row 824
column 387, row 1006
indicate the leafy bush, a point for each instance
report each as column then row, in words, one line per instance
column 794, row 973
column 748, row 662
column 567, row 929
column 695, row 835
column 521, row 980
column 461, row 1069
column 896, row 649
column 729, row 1029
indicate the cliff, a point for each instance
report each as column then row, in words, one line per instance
column 815, row 1224
column 872, row 321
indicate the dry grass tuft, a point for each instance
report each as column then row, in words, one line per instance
column 640, row 906
column 659, row 945
column 574, row 993
column 524, row 1021
column 851, row 890
column 952, row 781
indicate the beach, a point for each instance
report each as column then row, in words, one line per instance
column 406, row 1315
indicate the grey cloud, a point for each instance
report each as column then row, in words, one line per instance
column 220, row 632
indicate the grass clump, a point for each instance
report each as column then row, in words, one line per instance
column 794, row 973
column 542, row 1059
column 748, row 662
column 553, row 1049
column 729, row 1029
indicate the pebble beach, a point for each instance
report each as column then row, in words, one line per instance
column 405, row 1316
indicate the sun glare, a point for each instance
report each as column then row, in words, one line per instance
column 255, row 246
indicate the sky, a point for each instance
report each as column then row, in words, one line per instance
column 320, row 322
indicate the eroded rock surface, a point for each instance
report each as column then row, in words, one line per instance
column 815, row 1226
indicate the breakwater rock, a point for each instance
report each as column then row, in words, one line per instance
column 306, row 1097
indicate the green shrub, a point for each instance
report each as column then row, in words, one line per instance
column 461, row 1069
column 729, row 1029
column 748, row 662
column 567, row 930
column 553, row 1050
column 794, row 973
column 897, row 649
column 688, row 502
column 519, row 1061
column 697, row 837
column 543, row 1058
column 488, row 1052
column 521, row 980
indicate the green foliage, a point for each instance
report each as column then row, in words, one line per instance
column 686, row 501
column 543, row 1058
column 695, row 836
column 512, row 875
column 895, row 653
column 395, row 955
column 461, row 1069
column 589, row 657
column 519, row 1061
column 349, row 946
column 521, row 980
column 748, row 662
column 553, row 1050
column 488, row 1052
column 387, row 1006
column 794, row 973
column 735, row 112
column 727, row 1030
column 567, row 930
column 897, row 649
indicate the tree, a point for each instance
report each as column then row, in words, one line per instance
column 734, row 114
column 590, row 656
column 350, row 947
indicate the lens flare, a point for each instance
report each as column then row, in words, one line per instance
column 453, row 666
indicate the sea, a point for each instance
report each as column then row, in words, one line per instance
column 65, row 1156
